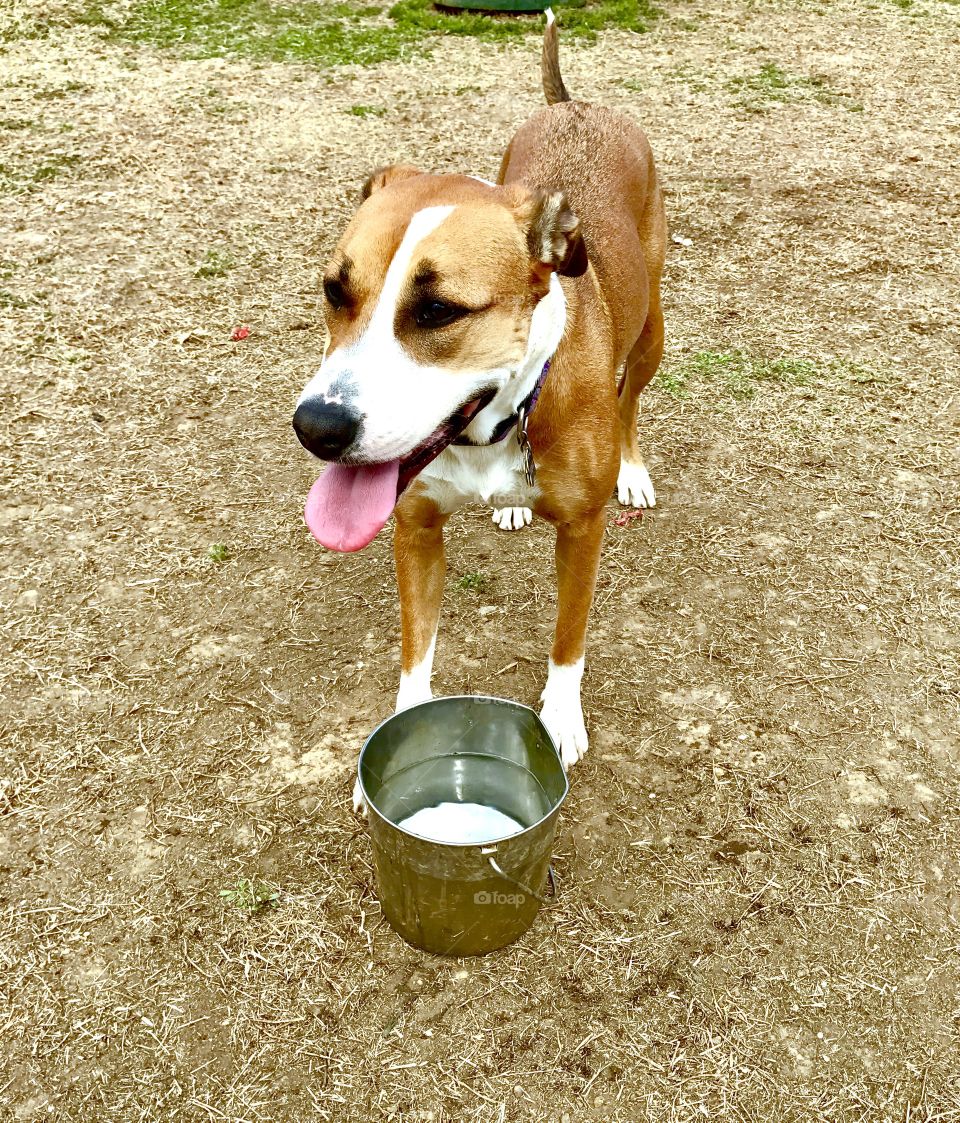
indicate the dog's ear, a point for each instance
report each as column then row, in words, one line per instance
column 553, row 234
column 382, row 176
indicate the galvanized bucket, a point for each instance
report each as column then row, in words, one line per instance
column 456, row 898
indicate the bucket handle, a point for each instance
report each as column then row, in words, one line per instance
column 520, row 884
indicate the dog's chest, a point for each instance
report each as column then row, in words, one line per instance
column 491, row 474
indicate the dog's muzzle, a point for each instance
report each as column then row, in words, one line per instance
column 325, row 429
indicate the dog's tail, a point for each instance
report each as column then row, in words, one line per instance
column 553, row 88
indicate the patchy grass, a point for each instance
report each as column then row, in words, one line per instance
column 673, row 380
column 219, row 553
column 11, row 300
column 739, row 375
column 735, row 373
column 367, row 111
column 759, row 92
column 59, row 93
column 216, row 105
column 19, row 179
column 695, row 79
column 251, row 896
column 337, row 34
column 772, row 86
column 215, row 263
column 318, row 34
column 474, row 582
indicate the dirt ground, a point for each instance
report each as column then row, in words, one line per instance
column 758, row 914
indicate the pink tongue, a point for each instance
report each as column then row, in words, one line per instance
column 347, row 507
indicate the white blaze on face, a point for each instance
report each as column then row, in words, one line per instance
column 400, row 401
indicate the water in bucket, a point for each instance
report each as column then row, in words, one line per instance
column 461, row 823
column 463, row 798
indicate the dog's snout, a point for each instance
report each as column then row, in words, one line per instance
column 325, row 429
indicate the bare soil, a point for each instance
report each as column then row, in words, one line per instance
column 758, row 914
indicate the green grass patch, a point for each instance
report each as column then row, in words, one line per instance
column 19, row 179
column 219, row 553
column 772, row 86
column 474, row 582
column 217, row 107
column 696, row 80
column 53, row 168
column 11, row 300
column 367, row 111
column 734, row 374
column 673, row 381
column 251, row 896
column 325, row 34
column 58, row 93
column 215, row 263
column 848, row 372
column 316, row 33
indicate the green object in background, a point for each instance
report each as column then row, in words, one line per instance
column 498, row 5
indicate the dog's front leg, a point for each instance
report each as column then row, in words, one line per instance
column 577, row 556
column 421, row 569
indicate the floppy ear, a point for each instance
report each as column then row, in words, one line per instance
column 389, row 174
column 553, row 234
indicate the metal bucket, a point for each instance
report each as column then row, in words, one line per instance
column 455, row 898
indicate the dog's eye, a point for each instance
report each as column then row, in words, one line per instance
column 437, row 313
column 335, row 295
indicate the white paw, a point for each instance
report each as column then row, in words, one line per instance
column 634, row 488
column 359, row 803
column 512, row 518
column 564, row 720
column 562, row 713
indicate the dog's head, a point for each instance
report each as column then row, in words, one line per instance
column 431, row 307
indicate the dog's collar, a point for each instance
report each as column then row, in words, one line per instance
column 518, row 418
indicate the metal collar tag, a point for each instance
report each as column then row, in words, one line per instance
column 526, row 452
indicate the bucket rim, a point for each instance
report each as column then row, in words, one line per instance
column 372, row 807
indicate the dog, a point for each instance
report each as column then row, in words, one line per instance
column 488, row 343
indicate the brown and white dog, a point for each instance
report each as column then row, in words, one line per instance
column 450, row 303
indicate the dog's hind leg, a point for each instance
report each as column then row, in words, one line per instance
column 634, row 488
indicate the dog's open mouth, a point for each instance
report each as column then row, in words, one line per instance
column 349, row 504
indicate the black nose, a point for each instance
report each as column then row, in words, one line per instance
column 325, row 429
